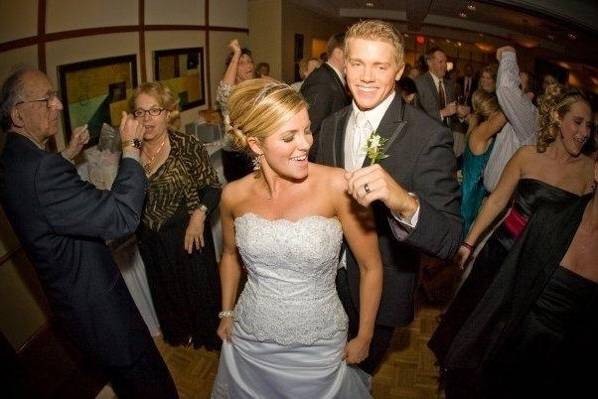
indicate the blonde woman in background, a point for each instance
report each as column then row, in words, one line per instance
column 306, row 67
column 286, row 336
column 485, row 123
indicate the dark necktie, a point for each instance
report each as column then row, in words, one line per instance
column 441, row 95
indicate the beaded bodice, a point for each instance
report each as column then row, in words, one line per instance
column 290, row 295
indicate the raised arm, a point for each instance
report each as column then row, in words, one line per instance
column 517, row 107
column 75, row 207
column 360, row 231
column 230, row 265
column 230, row 74
column 482, row 133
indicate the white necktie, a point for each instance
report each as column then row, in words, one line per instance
column 363, row 129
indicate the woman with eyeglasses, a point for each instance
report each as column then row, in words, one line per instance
column 175, row 239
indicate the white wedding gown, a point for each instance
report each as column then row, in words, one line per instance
column 290, row 327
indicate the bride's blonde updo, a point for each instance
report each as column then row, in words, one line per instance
column 553, row 105
column 257, row 108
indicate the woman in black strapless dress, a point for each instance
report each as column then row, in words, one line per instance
column 553, row 172
column 533, row 335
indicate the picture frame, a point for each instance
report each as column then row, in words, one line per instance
column 182, row 71
column 95, row 92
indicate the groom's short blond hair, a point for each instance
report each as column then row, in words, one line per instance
column 374, row 29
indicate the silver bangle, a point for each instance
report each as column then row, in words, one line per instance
column 226, row 313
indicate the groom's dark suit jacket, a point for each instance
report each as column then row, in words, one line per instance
column 62, row 223
column 421, row 159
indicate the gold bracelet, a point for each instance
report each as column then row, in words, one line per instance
column 226, row 313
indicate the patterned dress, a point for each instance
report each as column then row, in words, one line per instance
column 185, row 287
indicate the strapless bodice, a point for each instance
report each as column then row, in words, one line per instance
column 290, row 294
column 531, row 192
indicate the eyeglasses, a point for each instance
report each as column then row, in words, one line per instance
column 49, row 99
column 139, row 113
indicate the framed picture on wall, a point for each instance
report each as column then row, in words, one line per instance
column 182, row 71
column 96, row 92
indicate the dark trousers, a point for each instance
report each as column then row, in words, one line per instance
column 147, row 378
column 382, row 334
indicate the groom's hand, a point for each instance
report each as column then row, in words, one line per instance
column 373, row 183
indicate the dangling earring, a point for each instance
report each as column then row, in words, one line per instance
column 256, row 162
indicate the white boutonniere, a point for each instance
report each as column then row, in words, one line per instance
column 375, row 148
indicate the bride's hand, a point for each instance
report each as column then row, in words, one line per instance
column 225, row 329
column 357, row 350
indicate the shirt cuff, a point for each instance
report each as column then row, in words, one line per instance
column 133, row 155
column 408, row 224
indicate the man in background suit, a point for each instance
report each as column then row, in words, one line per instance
column 324, row 89
column 466, row 85
column 413, row 191
column 63, row 223
column 436, row 96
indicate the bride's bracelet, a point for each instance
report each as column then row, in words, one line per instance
column 226, row 313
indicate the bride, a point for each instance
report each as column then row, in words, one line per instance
column 286, row 337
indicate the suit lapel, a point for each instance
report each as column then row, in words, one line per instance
column 433, row 89
column 338, row 140
column 392, row 126
column 338, row 81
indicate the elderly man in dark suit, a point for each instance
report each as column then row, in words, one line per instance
column 324, row 89
column 411, row 186
column 63, row 222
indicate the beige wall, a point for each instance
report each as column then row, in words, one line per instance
column 64, row 15
column 181, row 12
column 265, row 33
column 296, row 19
column 19, row 19
column 22, row 306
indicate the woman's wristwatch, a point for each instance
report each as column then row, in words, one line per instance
column 136, row 143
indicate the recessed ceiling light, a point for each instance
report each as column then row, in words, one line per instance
column 459, row 44
column 463, row 14
column 572, row 36
column 369, row 4
column 471, row 7
column 448, row 40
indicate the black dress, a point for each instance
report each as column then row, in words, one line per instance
column 544, row 354
column 185, row 287
column 529, row 194
column 533, row 333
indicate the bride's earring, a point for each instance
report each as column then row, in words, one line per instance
column 256, row 162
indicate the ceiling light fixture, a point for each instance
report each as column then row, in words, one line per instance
column 471, row 7
column 572, row 36
column 463, row 14
column 369, row 4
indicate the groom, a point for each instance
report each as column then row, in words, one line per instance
column 412, row 189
